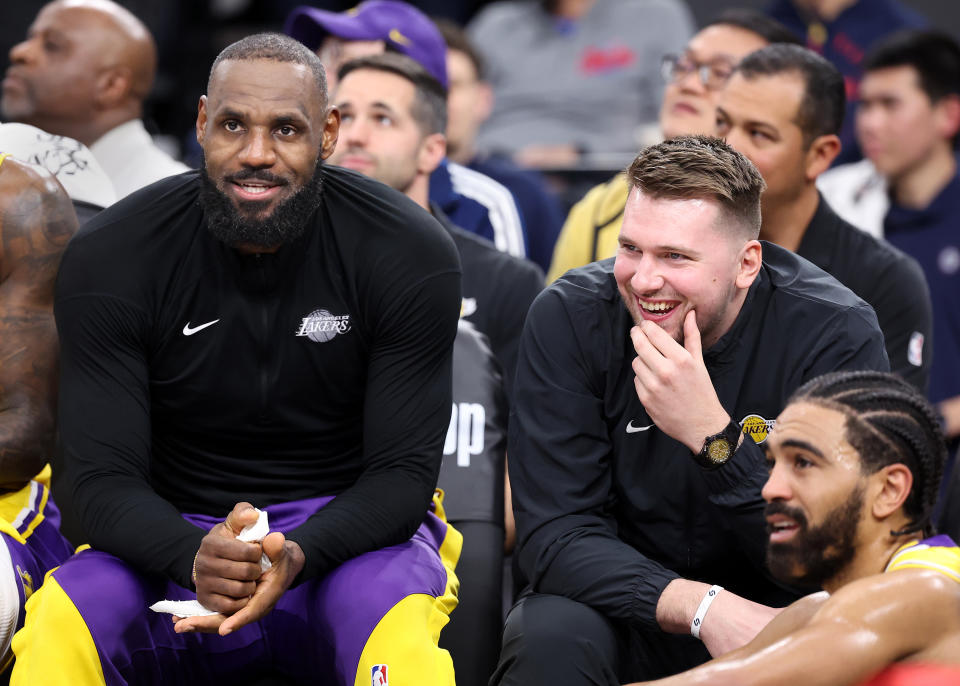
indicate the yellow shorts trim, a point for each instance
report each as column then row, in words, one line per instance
column 55, row 648
column 405, row 639
column 16, row 505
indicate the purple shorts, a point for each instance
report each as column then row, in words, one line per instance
column 315, row 634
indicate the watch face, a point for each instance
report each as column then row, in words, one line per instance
column 719, row 450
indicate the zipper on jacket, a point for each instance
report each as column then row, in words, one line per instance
column 264, row 339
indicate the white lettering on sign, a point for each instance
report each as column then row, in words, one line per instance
column 465, row 434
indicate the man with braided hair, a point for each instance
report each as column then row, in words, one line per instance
column 855, row 461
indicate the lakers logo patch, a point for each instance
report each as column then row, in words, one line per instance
column 756, row 427
column 320, row 326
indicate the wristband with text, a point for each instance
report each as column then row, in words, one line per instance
column 702, row 610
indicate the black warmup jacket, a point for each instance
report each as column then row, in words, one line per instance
column 498, row 289
column 890, row 281
column 194, row 377
column 608, row 515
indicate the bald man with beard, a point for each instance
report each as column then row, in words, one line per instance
column 83, row 71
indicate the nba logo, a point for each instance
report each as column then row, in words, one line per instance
column 915, row 349
column 378, row 675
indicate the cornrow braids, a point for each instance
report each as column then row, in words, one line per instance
column 887, row 421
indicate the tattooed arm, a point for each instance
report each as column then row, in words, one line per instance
column 36, row 221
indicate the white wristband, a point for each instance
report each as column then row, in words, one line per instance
column 702, row 610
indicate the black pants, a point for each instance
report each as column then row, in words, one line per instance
column 473, row 634
column 553, row 640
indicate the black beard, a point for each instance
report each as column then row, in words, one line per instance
column 234, row 226
column 817, row 554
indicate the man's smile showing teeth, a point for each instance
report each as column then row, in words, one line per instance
column 656, row 307
column 782, row 530
column 254, row 191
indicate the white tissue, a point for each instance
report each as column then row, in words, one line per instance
column 254, row 534
column 192, row 608
column 256, row 531
column 182, row 608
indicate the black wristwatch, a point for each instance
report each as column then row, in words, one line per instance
column 719, row 448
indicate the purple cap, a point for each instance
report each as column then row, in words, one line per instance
column 403, row 27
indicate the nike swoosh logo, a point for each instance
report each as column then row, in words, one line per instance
column 631, row 429
column 187, row 331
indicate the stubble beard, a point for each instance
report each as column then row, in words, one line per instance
column 707, row 328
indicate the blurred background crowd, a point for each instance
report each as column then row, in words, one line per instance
column 547, row 101
column 190, row 33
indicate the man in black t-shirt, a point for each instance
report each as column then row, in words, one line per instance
column 268, row 331
column 782, row 108
column 394, row 115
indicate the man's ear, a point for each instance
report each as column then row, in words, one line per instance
column 821, row 154
column 948, row 116
column 749, row 263
column 893, row 484
column 433, row 149
column 331, row 132
column 483, row 105
column 113, row 86
column 201, row 119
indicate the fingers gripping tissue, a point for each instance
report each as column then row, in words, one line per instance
column 253, row 533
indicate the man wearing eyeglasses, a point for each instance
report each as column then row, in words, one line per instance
column 689, row 100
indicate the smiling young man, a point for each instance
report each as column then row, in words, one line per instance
column 634, row 487
column 855, row 463
column 783, row 108
column 268, row 331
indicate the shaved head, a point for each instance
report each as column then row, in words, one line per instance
column 127, row 41
column 85, row 67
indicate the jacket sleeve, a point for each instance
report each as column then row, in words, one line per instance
column 905, row 314
column 104, row 424
column 850, row 340
column 561, row 474
column 406, row 414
